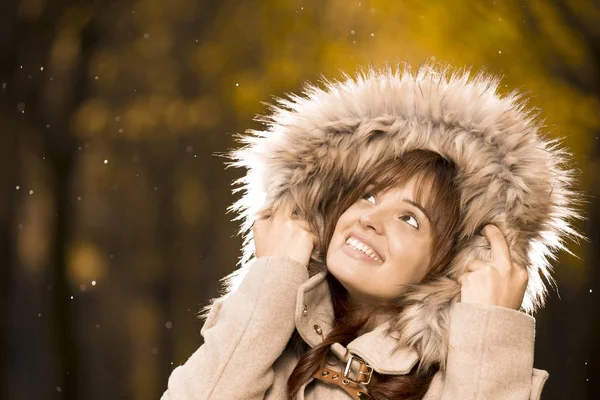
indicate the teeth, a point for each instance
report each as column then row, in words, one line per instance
column 357, row 245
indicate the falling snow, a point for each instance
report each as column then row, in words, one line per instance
column 21, row 107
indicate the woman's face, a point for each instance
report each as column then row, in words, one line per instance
column 381, row 243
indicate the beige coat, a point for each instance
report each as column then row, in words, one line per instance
column 245, row 356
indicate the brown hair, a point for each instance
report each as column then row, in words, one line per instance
column 435, row 176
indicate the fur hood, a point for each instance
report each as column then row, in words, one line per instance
column 510, row 173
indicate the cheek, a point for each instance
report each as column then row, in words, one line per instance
column 342, row 225
column 334, row 244
column 335, row 259
column 411, row 258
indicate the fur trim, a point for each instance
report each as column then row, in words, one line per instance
column 510, row 174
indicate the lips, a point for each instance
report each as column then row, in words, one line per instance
column 366, row 242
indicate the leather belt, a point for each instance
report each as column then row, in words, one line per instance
column 351, row 386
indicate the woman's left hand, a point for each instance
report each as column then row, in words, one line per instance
column 497, row 283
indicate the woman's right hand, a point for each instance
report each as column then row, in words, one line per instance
column 278, row 234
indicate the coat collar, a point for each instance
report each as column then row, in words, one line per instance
column 314, row 320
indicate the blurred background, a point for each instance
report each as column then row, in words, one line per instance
column 113, row 223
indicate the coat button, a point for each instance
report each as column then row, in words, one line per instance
column 305, row 310
column 318, row 329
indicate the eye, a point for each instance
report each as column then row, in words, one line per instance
column 411, row 220
column 370, row 197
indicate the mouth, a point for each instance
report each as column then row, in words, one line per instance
column 360, row 250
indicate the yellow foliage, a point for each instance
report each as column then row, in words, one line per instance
column 192, row 202
column 91, row 118
column 85, row 263
column 559, row 35
column 105, row 66
column 64, row 52
column 175, row 115
column 208, row 59
column 203, row 113
column 155, row 41
column 138, row 118
column 248, row 91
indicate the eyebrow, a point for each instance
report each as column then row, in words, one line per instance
column 417, row 205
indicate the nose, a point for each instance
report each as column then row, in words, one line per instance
column 371, row 219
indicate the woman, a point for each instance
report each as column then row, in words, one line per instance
column 399, row 222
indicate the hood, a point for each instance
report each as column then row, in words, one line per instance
column 510, row 173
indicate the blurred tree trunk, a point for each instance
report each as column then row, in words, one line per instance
column 62, row 153
column 31, row 44
column 63, row 326
column 168, row 238
column 9, row 165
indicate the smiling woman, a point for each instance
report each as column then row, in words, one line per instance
column 406, row 215
column 410, row 218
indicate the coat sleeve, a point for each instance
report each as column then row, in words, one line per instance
column 490, row 356
column 244, row 335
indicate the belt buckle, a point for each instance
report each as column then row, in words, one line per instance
column 366, row 375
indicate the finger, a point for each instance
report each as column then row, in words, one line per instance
column 475, row 264
column 498, row 246
column 461, row 279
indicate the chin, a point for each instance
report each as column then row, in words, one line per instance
column 345, row 270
